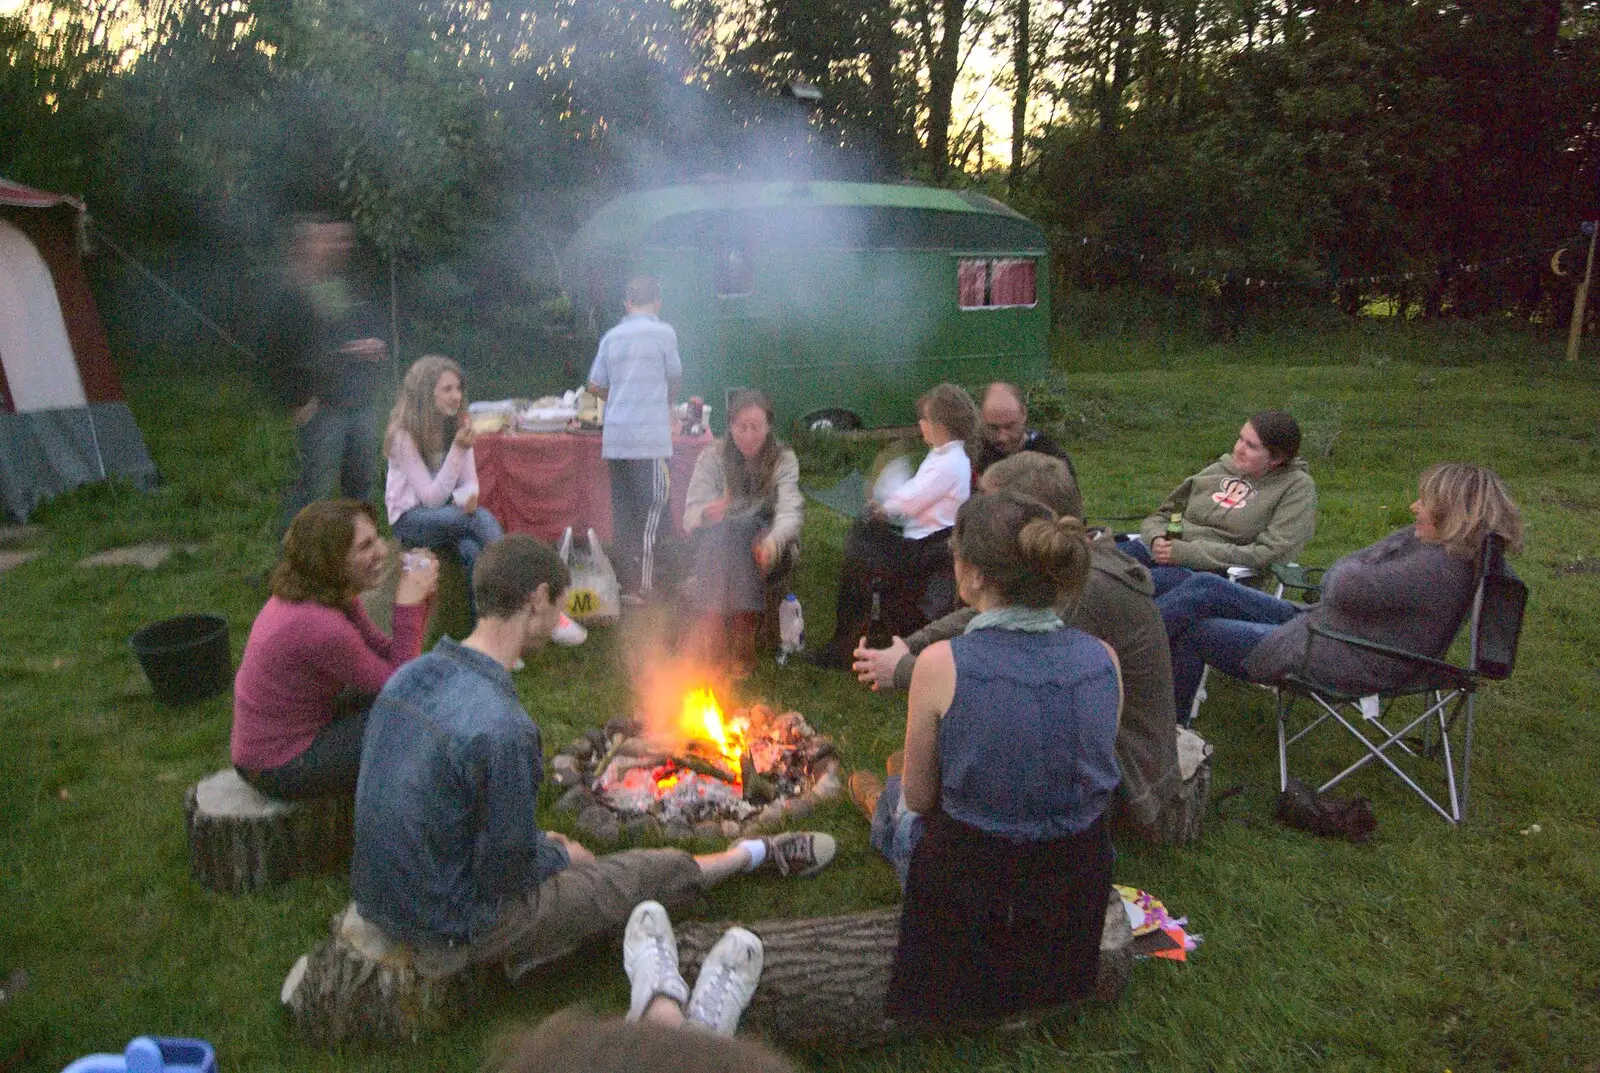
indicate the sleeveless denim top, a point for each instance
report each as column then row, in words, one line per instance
column 1027, row 749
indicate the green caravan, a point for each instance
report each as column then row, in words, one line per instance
column 842, row 301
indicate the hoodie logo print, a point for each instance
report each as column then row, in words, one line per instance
column 1235, row 492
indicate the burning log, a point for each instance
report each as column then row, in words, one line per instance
column 705, row 767
column 605, row 762
column 823, row 981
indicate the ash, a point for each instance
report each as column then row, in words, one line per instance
column 693, row 798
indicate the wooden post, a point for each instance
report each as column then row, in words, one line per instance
column 1580, row 298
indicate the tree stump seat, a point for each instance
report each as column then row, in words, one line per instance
column 359, row 985
column 240, row 839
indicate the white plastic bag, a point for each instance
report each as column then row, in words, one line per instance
column 594, row 595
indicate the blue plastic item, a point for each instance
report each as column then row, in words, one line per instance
column 152, row 1054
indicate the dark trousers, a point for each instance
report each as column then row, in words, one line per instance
column 329, row 766
column 640, row 494
column 915, row 577
column 338, row 443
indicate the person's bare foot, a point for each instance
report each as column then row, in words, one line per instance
column 896, row 763
column 865, row 789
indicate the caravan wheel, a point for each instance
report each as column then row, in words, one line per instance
column 831, row 421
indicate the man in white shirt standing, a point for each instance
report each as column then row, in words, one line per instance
column 637, row 371
column 901, row 547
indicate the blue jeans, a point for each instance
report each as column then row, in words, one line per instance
column 896, row 830
column 338, row 443
column 450, row 527
column 1166, row 578
column 1210, row 619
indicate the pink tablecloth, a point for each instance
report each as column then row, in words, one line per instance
column 540, row 483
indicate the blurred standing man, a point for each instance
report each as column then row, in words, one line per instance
column 327, row 360
column 1005, row 430
column 638, row 372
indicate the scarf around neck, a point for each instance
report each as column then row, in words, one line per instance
column 1020, row 619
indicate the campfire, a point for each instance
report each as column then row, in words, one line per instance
column 699, row 772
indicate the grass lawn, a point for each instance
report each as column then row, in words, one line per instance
column 1425, row 950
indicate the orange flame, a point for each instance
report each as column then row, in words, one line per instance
column 702, row 718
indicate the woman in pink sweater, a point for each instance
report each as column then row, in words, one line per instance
column 314, row 660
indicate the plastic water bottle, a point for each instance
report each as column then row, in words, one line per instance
column 791, row 627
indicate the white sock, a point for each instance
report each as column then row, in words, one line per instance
column 757, row 848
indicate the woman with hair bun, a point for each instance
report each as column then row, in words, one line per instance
column 1410, row 590
column 1254, row 506
column 998, row 822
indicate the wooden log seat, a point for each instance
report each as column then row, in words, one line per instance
column 822, row 985
column 360, row 986
column 823, row 980
column 240, row 839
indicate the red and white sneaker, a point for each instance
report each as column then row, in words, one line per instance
column 568, row 632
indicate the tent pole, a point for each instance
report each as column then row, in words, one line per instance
column 94, row 436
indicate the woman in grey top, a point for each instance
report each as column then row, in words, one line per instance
column 744, row 513
column 1409, row 590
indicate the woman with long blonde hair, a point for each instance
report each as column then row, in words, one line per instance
column 432, row 489
column 1411, row 590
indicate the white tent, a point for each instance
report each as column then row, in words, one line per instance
column 63, row 419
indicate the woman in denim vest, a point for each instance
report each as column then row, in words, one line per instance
column 1009, row 766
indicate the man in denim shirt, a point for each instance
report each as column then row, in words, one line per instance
column 448, row 853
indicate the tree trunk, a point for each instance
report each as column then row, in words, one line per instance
column 1022, row 72
column 883, row 50
column 240, row 839
column 942, row 72
column 358, row 986
column 823, row 981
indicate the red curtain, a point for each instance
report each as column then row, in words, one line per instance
column 1013, row 283
column 972, row 278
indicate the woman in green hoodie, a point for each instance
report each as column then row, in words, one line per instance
column 1255, row 506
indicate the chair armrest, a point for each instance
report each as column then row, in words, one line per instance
column 1461, row 675
column 1306, row 579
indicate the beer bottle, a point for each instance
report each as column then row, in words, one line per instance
column 878, row 635
column 1175, row 526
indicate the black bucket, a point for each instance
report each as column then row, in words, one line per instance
column 186, row 658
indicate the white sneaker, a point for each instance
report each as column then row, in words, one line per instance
column 519, row 666
column 568, row 632
column 727, row 980
column 650, row 958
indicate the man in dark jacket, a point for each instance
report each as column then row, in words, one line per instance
column 1005, row 431
column 1116, row 605
column 326, row 363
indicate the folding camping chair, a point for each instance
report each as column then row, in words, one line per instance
column 1286, row 577
column 1448, row 693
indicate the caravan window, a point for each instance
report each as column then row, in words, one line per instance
column 996, row 283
